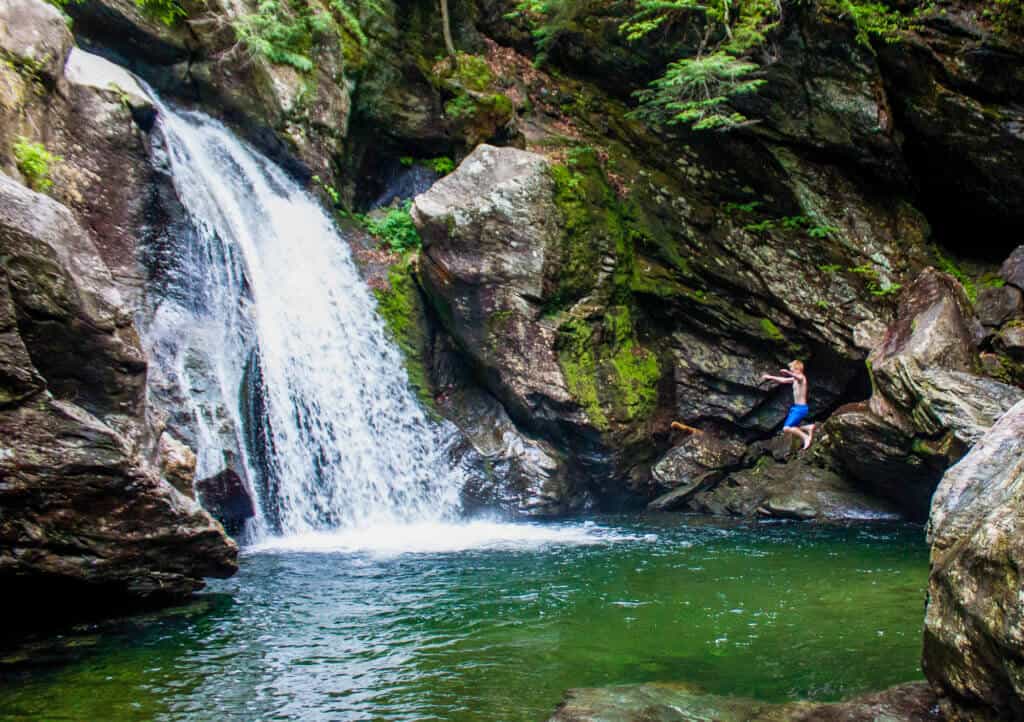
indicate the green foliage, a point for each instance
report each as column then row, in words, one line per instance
column 330, row 190
column 830, row 268
column 1006, row 16
column 750, row 207
column 695, row 91
column 34, row 162
column 287, row 31
column 443, row 165
column 471, row 72
column 793, row 223
column 946, row 264
column 871, row 19
column 166, row 11
column 396, row 230
column 460, row 107
column 549, row 19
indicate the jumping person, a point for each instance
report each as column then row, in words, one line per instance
column 794, row 375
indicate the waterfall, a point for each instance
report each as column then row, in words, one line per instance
column 276, row 316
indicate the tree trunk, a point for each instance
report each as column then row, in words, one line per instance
column 447, row 27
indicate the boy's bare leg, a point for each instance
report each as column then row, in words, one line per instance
column 802, row 435
column 809, row 430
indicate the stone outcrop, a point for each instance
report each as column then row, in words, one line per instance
column 914, row 702
column 83, row 509
column 930, row 402
column 595, row 321
column 972, row 639
column 298, row 118
column 798, row 490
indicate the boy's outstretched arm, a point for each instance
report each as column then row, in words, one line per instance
column 777, row 379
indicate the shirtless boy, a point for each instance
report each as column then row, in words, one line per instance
column 794, row 375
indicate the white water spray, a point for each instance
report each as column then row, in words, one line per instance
column 347, row 444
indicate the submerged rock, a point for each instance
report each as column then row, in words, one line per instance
column 82, row 511
column 914, row 702
column 973, row 625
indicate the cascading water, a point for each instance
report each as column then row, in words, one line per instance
column 346, row 443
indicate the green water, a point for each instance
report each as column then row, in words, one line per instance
column 498, row 630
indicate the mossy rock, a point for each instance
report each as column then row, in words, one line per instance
column 609, row 372
column 404, row 313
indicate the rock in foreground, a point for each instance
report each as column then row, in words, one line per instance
column 84, row 513
column 668, row 703
column 974, row 627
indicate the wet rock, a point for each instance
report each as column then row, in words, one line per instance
column 972, row 640
column 928, row 406
column 67, row 307
column 33, row 35
column 509, row 472
column 226, row 497
column 81, row 510
column 996, row 306
column 914, row 702
column 1012, row 270
column 490, row 233
column 177, row 464
column 794, row 490
column 699, row 461
column 124, row 25
column 1011, row 339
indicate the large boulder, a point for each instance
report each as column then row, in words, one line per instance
column 82, row 509
column 973, row 643
column 797, row 490
column 929, row 402
column 33, row 35
column 491, row 233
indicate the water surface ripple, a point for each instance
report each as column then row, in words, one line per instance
column 491, row 622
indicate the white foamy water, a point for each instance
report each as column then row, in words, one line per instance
column 346, row 443
column 441, row 538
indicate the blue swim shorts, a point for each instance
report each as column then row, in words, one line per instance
column 797, row 413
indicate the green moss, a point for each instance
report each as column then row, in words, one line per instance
column 592, row 227
column 948, row 265
column 472, row 72
column 605, row 368
column 772, row 331
column 579, row 367
column 35, row 162
column 401, row 308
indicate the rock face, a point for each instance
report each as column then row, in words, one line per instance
column 587, row 315
column 299, row 118
column 972, row 638
column 929, row 404
column 671, row 703
column 83, row 510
